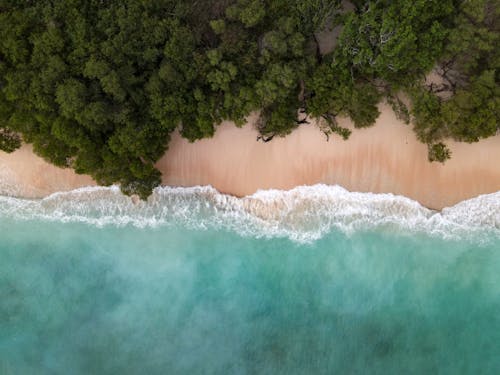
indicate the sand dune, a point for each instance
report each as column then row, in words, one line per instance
column 386, row 158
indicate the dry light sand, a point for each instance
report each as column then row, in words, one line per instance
column 386, row 158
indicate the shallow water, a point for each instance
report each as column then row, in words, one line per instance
column 84, row 289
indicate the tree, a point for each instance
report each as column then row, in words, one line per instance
column 439, row 152
column 98, row 86
column 9, row 141
column 396, row 41
column 474, row 113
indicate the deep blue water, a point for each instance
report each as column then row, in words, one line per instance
column 76, row 298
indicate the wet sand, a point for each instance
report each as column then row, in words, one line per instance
column 386, row 158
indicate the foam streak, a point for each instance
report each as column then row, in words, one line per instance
column 302, row 214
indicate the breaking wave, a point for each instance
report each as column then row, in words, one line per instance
column 303, row 214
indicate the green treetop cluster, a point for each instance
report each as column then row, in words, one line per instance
column 99, row 85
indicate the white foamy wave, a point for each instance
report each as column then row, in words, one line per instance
column 302, row 214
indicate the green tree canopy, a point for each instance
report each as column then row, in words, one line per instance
column 99, row 86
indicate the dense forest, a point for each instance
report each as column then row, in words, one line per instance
column 99, row 85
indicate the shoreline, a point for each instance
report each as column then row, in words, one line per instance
column 385, row 158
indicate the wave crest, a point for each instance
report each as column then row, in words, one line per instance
column 302, row 214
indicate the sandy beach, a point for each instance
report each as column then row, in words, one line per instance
column 24, row 174
column 386, row 158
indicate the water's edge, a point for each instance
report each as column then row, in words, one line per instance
column 194, row 281
column 304, row 213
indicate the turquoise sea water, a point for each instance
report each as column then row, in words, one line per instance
column 312, row 281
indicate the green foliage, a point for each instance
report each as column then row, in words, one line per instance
column 439, row 152
column 99, row 86
column 9, row 141
column 396, row 41
column 472, row 44
column 428, row 120
column 249, row 12
column 314, row 14
column 400, row 109
column 76, row 84
column 474, row 113
column 469, row 69
column 218, row 26
column 336, row 93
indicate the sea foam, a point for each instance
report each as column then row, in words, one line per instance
column 303, row 214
